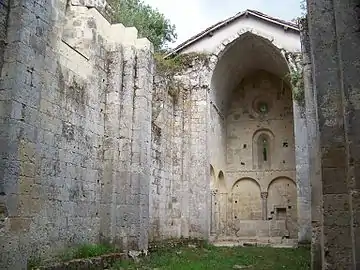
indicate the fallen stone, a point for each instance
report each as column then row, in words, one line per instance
column 248, row 244
column 242, row 266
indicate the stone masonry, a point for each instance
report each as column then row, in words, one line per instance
column 180, row 190
column 234, row 133
column 332, row 46
column 97, row 145
column 75, row 125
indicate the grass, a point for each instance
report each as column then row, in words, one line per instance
column 222, row 258
column 86, row 251
column 79, row 252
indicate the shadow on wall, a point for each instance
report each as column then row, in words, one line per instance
column 246, row 200
column 263, row 149
column 282, row 203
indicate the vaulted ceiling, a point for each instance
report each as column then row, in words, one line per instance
column 242, row 57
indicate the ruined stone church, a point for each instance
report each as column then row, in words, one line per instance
column 98, row 144
column 251, row 130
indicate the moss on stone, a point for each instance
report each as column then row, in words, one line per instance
column 178, row 63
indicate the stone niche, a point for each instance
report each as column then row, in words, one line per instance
column 261, row 196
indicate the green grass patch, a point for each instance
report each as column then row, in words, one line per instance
column 208, row 257
column 86, row 251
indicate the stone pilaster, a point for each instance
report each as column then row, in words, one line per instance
column 264, row 197
column 313, row 146
column 199, row 189
column 141, row 141
column 213, row 213
column 335, row 49
column 111, row 163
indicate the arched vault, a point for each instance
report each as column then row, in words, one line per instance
column 240, row 57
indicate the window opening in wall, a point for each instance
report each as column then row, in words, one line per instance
column 280, row 213
column 265, row 147
column 263, row 107
column 263, row 156
column 244, row 146
column 285, row 144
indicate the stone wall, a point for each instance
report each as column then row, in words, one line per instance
column 4, row 13
column 162, row 191
column 313, row 148
column 95, row 148
column 190, row 133
column 257, row 187
column 75, row 131
column 180, row 190
column 334, row 45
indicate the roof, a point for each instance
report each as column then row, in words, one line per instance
column 210, row 30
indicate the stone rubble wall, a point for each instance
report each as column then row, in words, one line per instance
column 180, row 190
column 75, row 131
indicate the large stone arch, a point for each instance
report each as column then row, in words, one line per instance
column 230, row 64
column 246, row 200
column 282, row 202
column 278, row 65
column 226, row 43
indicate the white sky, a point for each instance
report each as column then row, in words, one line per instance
column 192, row 16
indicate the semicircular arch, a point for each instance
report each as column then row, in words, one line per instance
column 227, row 42
column 245, row 178
column 246, row 199
column 221, row 182
column 260, row 131
column 279, row 178
column 212, row 178
column 240, row 55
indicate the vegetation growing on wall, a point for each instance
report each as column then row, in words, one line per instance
column 169, row 67
column 302, row 16
column 296, row 76
column 297, row 83
column 149, row 22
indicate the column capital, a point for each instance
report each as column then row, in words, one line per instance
column 264, row 195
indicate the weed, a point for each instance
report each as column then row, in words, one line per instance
column 206, row 256
column 86, row 251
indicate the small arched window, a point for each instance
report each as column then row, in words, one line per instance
column 265, row 145
column 212, row 178
column 264, row 154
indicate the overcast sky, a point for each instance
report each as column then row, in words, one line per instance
column 193, row 16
